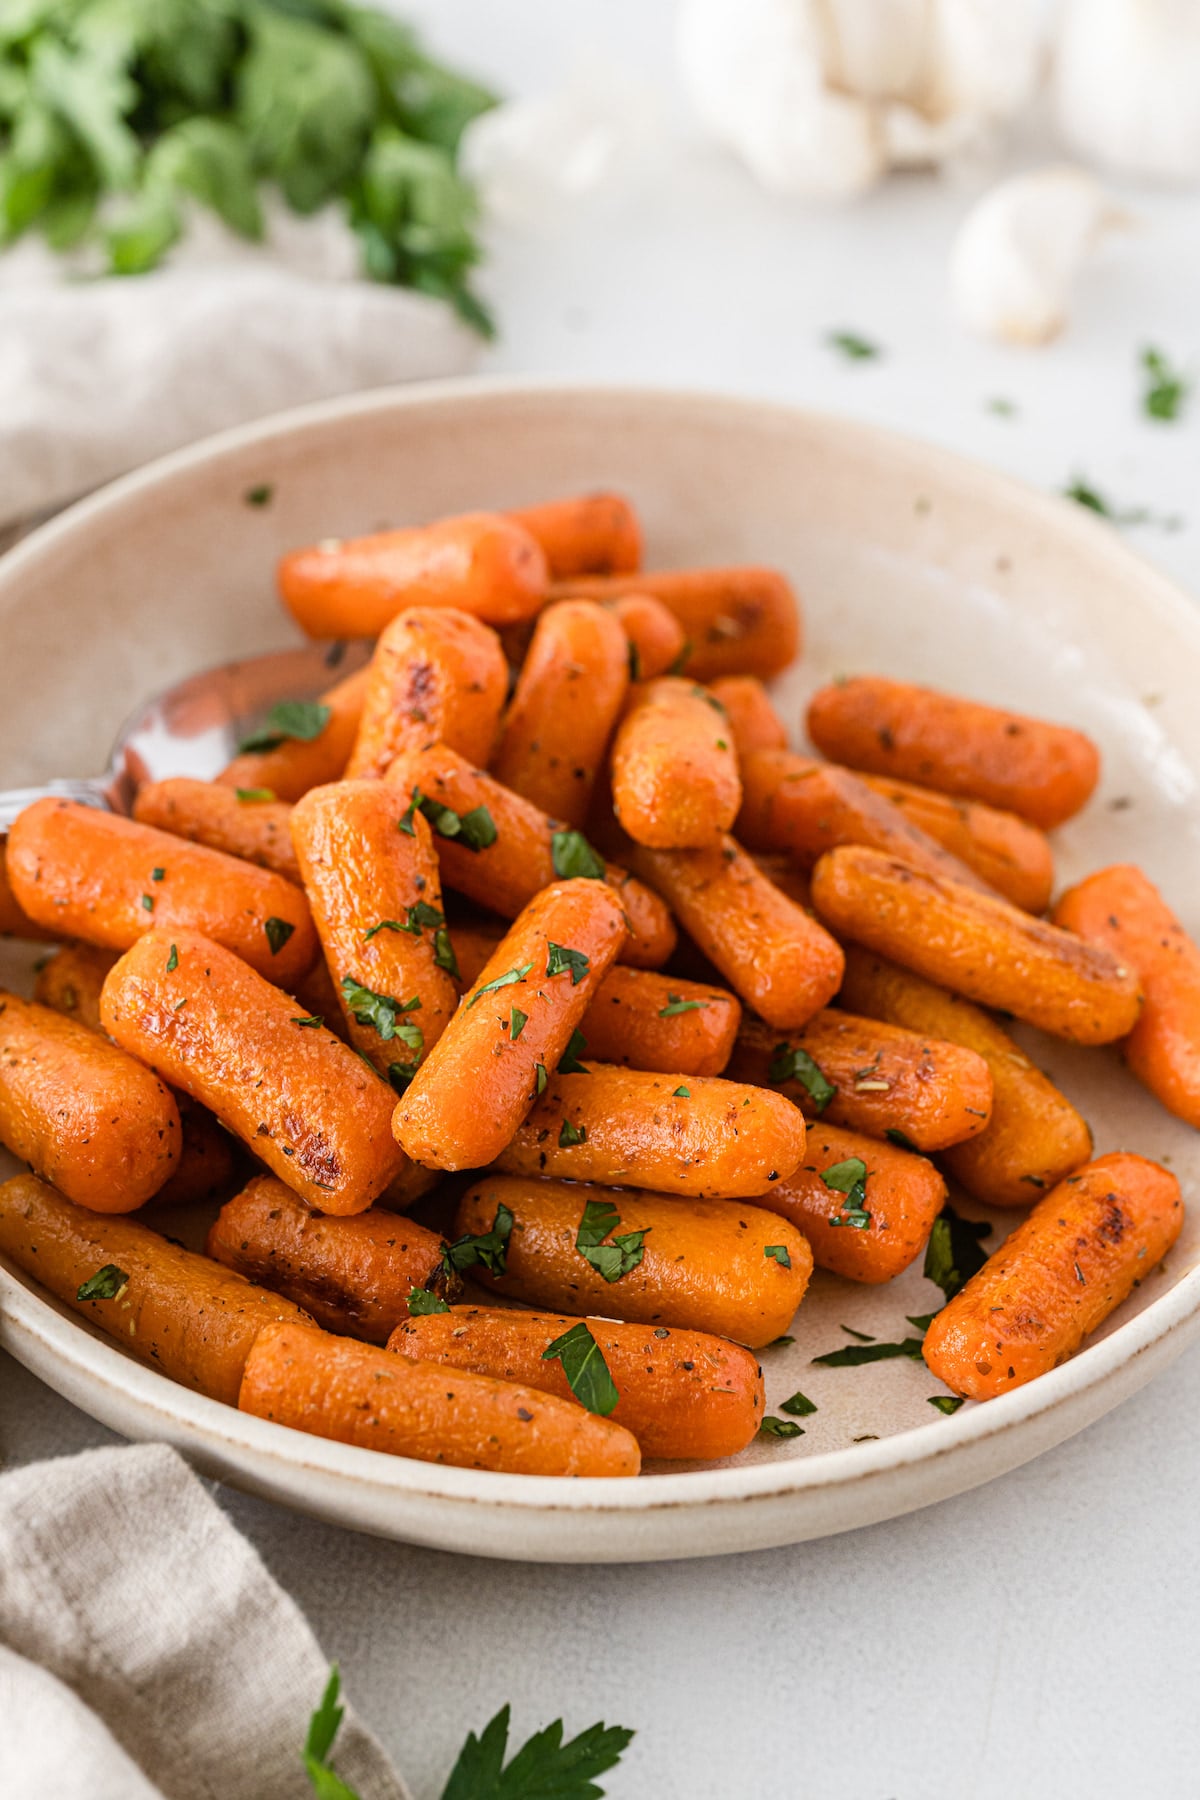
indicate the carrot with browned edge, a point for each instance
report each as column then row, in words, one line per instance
column 683, row 1394
column 674, row 768
column 334, row 1387
column 704, row 1265
column 353, row 1275
column 869, row 1232
column 736, row 621
column 976, row 945
column 208, row 812
column 656, row 638
column 510, row 868
column 183, row 1314
column 1042, row 772
column 293, row 765
column 303, row 1101
column 869, row 1077
column 1085, row 1246
column 108, row 880
column 778, row 959
column 1013, row 857
column 753, row 721
column 480, row 563
column 1034, row 1135
column 437, row 676
column 587, row 534
column 564, row 709
column 473, row 1089
column 705, row 1138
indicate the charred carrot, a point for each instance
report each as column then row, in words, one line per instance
column 107, row 880
column 208, row 812
column 701, row 1265
column 1042, row 772
column 738, row 621
column 179, row 1312
column 479, row 563
column 656, row 638
column 333, row 1387
column 674, row 769
column 477, row 1083
column 437, row 676
column 753, row 721
column 682, row 1394
column 70, row 981
column 315, row 1113
column 1013, row 857
column 293, row 764
column 589, row 534
column 870, row 1077
column 14, row 920
column 1081, row 1251
column 977, row 946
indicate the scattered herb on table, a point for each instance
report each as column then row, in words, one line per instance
column 800, row 1406
column 946, row 1403
column 955, row 1252
column 853, row 346
column 850, row 1356
column 779, row 1428
column 1166, row 391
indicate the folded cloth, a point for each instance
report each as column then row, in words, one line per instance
column 145, row 1652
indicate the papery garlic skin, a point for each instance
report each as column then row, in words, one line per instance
column 1127, row 85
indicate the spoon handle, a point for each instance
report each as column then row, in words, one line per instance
column 89, row 792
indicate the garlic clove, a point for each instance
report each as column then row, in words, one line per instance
column 1127, row 85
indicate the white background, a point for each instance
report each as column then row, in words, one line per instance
column 1040, row 1636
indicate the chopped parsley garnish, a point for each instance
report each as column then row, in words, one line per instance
column 573, row 856
column 105, row 1284
column 780, row 1428
column 421, row 1301
column 613, row 1260
column 849, row 1178
column 158, row 874
column 301, row 720
column 790, row 1063
column 954, row 1252
column 539, row 1070
column 1002, row 408
column 443, row 953
column 569, row 1063
column 676, row 1005
column 414, row 922
column 921, row 1321
column 488, row 1249
column 571, row 1134
column 148, row 903
column 1085, row 494
column 260, row 495
column 946, row 1403
column 561, row 960
column 851, row 1355
column 681, row 1093
column 278, row 932
column 383, row 1013
column 779, row 1254
column 505, row 980
column 475, row 829
column 780, row 1343
column 586, row 1371
column 517, row 1021
column 245, row 795
column 800, row 1406
column 853, row 347
column 864, row 1337
column 173, row 960
column 1166, row 389
column 313, row 1022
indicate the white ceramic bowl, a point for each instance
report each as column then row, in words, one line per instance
column 908, row 561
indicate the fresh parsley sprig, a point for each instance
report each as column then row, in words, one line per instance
column 617, row 1258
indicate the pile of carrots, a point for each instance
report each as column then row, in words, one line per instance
column 539, row 1018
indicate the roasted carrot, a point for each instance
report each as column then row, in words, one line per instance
column 781, row 962
column 517, row 849
column 208, row 812
column 1042, row 772
column 70, row 981
column 293, row 765
column 753, row 721
column 1121, row 910
column 656, row 638
column 866, row 1208
column 376, row 898
column 107, row 880
column 705, row 1138
column 1013, row 857
column 589, row 534
column 1081, row 1251
column 477, row 1083
column 353, row 1275
column 179, row 1312
column 437, row 676
column 1034, row 1135
column 740, row 621
column 568, row 696
column 883, row 1080
column 701, row 1265
column 682, row 1394
column 977, row 946
column 479, row 563
column 333, row 1387
column 80, row 1112
column 14, row 921
column 315, row 1113
column 674, row 769
column 784, row 874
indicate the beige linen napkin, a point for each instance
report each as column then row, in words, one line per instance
column 145, row 1652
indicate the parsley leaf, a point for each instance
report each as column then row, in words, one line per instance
column 851, row 1355
column 543, row 1769
column 443, row 953
column 894, row 1135
column 278, row 932
column 1166, row 389
column 323, row 1727
column 573, row 856
column 681, row 1093
column 850, row 1178
column 622, row 1255
column 571, row 1134
column 421, row 1301
column 105, row 1284
column 561, row 960
column 954, row 1252
column 475, row 829
column 946, row 1403
column 313, row 1022
column 675, row 1006
column 853, row 347
column 790, row 1063
column 541, row 1077
column 505, row 980
column 779, row 1254
column 173, row 960
column 779, row 1428
column 569, row 1063
column 261, row 495
column 487, row 1250
column 383, row 1013
column 301, row 720
column 800, row 1406
column 584, row 1366
column 248, row 795
column 415, row 920
column 517, row 1021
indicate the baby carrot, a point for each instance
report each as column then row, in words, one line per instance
column 70, row 981
column 333, row 1387
column 208, row 812
column 568, row 697
column 181, row 1313
column 353, row 1275
column 500, row 850
column 781, row 962
column 674, row 770
column 1034, row 1135
column 1081, row 1251
column 705, row 1138
column 1043, row 772
column 739, row 621
column 476, row 1084
column 1013, row 857
column 315, row 1113
column 701, row 1265
column 589, row 534
column 656, row 638
column 293, row 765
column 105, row 879
column 437, row 675
column 866, row 1208
column 376, row 898
column 977, row 946
column 14, row 921
column 1123, row 912
column 80, row 1112
column 870, row 1077
column 753, row 721
column 479, row 563
column 683, row 1394
column 784, row 874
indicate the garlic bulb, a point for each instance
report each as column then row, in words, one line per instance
column 1019, row 249
column 1127, row 85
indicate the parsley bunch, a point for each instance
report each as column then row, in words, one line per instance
column 116, row 114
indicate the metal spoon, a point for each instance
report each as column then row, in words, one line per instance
column 195, row 727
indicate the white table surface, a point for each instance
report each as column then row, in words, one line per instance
column 1039, row 1636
